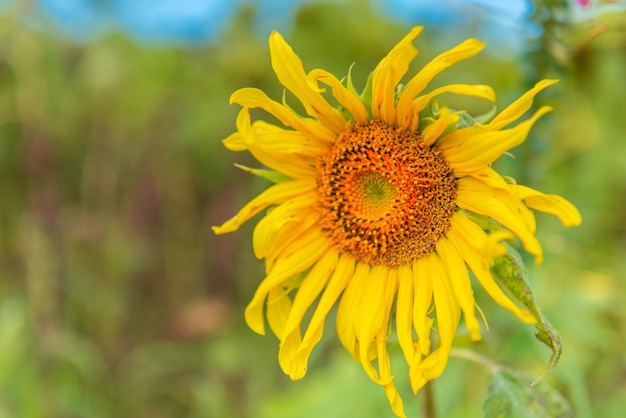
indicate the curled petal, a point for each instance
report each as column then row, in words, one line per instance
column 388, row 74
column 274, row 195
column 464, row 50
column 344, row 96
column 255, row 98
column 434, row 130
column 311, row 287
column 337, row 283
column 550, row 203
column 475, row 196
column 469, row 239
column 300, row 256
column 470, row 149
column 290, row 72
column 516, row 109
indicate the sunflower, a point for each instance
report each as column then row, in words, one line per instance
column 379, row 205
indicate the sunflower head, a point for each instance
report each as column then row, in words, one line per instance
column 385, row 197
column 385, row 207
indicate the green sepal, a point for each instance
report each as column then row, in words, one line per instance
column 271, row 175
column 486, row 117
column 484, row 222
column 366, row 95
column 510, row 272
column 512, row 395
column 428, row 115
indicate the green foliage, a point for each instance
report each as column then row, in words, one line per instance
column 510, row 272
column 511, row 395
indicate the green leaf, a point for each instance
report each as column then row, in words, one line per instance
column 511, row 395
column 273, row 176
column 510, row 272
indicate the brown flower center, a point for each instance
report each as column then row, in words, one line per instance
column 385, row 197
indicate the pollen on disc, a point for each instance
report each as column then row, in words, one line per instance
column 384, row 196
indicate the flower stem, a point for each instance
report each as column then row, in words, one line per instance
column 428, row 406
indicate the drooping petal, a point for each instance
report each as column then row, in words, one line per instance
column 404, row 312
column 266, row 232
column 337, row 283
column 344, row 96
column 349, row 309
column 461, row 285
column 274, row 195
column 448, row 316
column 550, row 203
column 468, row 240
column 423, row 297
column 299, row 257
column 278, row 308
column 504, row 188
column 311, row 287
column 371, row 318
column 475, row 196
column 388, row 74
column 290, row 72
column 384, row 368
column 464, row 50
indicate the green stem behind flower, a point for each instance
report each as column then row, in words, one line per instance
column 428, row 406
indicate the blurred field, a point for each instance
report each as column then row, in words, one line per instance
column 116, row 299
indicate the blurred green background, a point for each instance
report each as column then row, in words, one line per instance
column 116, row 299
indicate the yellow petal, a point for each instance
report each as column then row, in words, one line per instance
column 349, row 308
column 470, row 149
column 520, row 106
column 404, row 312
column 388, row 74
column 494, row 180
column 477, row 197
column 370, row 318
column 266, row 231
column 274, row 195
column 435, row 129
column 410, row 119
column 550, row 203
column 423, row 297
column 343, row 95
column 309, row 290
column 384, row 368
column 301, row 255
column 278, row 308
column 448, row 316
column 285, row 141
column 285, row 238
column 235, row 142
column 255, row 98
column 464, row 235
column 337, row 283
column 292, row 166
column 464, row 50
column 460, row 282
column 264, row 143
column 290, row 72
